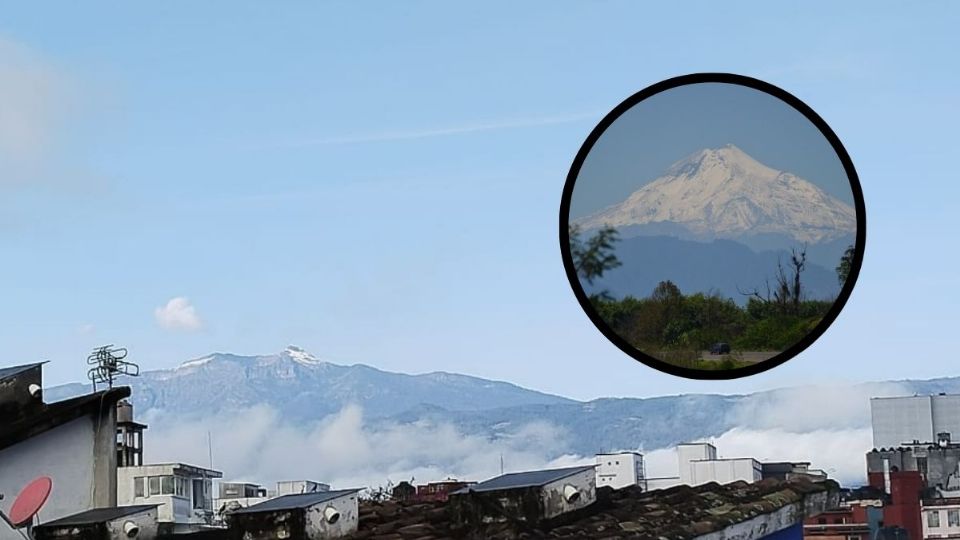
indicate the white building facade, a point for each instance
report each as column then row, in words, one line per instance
column 184, row 492
column 71, row 441
column 899, row 420
column 940, row 519
column 620, row 470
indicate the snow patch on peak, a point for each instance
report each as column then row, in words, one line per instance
column 196, row 362
column 301, row 356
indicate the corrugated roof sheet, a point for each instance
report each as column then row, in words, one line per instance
column 295, row 501
column 99, row 515
column 526, row 479
column 16, row 370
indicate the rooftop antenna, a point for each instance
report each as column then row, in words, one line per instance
column 108, row 363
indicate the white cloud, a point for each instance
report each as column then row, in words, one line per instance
column 345, row 450
column 447, row 131
column 32, row 104
column 87, row 329
column 178, row 314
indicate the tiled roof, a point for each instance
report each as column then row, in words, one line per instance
column 678, row 513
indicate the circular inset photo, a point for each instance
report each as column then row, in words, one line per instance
column 712, row 226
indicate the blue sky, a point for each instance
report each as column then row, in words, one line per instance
column 652, row 135
column 382, row 185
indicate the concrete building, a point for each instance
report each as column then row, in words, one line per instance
column 294, row 487
column 115, row 523
column 789, row 470
column 534, row 497
column 698, row 464
column 621, row 470
column 310, row 516
column 937, row 462
column 184, row 493
column 439, row 491
column 129, row 436
column 900, row 420
column 233, row 496
column 71, row 441
column 940, row 518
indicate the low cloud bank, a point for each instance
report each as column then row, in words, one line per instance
column 828, row 426
column 258, row 445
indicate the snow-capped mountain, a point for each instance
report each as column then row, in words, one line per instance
column 218, row 385
column 725, row 193
column 306, row 387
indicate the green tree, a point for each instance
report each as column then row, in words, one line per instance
column 843, row 269
column 595, row 256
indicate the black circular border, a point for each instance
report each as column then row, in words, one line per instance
column 846, row 290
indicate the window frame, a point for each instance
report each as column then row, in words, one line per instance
column 933, row 519
column 151, row 481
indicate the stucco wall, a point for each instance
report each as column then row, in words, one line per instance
column 619, row 470
column 554, row 502
column 147, row 521
column 66, row 454
column 317, row 527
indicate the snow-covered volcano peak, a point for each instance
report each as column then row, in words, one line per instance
column 726, row 193
column 301, row 356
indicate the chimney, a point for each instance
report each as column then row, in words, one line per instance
column 886, row 475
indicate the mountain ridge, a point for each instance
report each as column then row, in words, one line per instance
column 608, row 423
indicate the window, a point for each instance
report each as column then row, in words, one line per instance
column 138, row 486
column 180, row 486
column 933, row 519
column 953, row 518
column 154, row 485
column 166, row 485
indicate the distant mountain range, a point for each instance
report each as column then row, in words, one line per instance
column 304, row 389
column 718, row 221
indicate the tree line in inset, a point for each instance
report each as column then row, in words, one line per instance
column 678, row 327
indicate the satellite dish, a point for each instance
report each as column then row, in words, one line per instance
column 30, row 501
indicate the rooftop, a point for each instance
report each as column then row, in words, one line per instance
column 16, row 370
column 55, row 414
column 526, row 479
column 678, row 513
column 296, row 501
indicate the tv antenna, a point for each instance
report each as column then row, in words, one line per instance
column 24, row 509
column 108, row 362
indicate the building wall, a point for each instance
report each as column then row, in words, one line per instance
column 147, row 521
column 65, row 454
column 947, row 523
column 688, row 453
column 902, row 420
column 940, row 467
column 662, row 483
column 554, row 502
column 317, row 526
column 619, row 470
column 724, row 471
column 173, row 508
